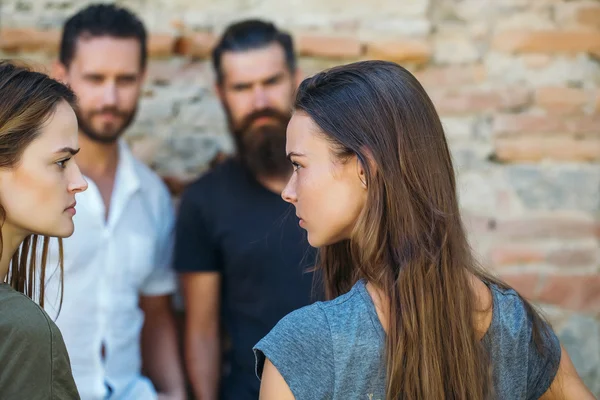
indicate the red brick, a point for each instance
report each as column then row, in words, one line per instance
column 32, row 40
column 506, row 125
column 314, row 45
column 524, row 124
column 198, row 45
column 451, row 76
column 573, row 292
column 514, row 254
column 29, row 40
column 589, row 16
column 476, row 101
column 556, row 226
column 562, row 100
column 554, row 148
column 577, row 257
column 400, row 51
column 161, row 45
column 569, row 42
column 44, row 67
column 588, row 125
column 525, row 283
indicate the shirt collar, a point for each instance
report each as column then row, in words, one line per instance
column 126, row 169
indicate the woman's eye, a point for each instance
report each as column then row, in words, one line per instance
column 62, row 163
column 296, row 166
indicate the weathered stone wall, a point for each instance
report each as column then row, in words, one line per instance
column 515, row 81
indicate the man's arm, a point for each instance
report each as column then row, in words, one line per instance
column 160, row 351
column 202, row 292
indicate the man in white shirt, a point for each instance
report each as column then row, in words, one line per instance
column 116, row 308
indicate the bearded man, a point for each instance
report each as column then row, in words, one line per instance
column 242, row 257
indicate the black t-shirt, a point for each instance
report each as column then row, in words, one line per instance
column 229, row 223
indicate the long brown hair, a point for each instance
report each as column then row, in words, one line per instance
column 29, row 99
column 409, row 240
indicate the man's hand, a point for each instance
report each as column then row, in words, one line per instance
column 160, row 350
column 171, row 396
column 202, row 340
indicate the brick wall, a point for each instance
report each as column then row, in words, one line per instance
column 515, row 81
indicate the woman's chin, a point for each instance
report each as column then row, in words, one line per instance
column 62, row 232
column 318, row 241
column 312, row 241
column 67, row 232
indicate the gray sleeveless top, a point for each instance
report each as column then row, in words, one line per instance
column 335, row 349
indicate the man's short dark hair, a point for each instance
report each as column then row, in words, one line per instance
column 102, row 20
column 249, row 35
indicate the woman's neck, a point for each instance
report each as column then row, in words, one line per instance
column 381, row 302
column 11, row 240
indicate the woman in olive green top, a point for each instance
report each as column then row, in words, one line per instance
column 38, row 183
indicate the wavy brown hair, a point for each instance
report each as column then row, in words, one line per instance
column 29, row 99
column 409, row 240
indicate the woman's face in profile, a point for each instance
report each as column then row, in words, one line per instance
column 38, row 193
column 329, row 194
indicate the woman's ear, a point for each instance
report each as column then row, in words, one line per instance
column 366, row 166
column 366, row 157
column 362, row 173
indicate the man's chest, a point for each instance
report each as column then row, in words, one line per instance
column 258, row 240
column 124, row 251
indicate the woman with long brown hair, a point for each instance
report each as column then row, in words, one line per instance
column 412, row 315
column 38, row 183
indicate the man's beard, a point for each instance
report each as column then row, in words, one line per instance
column 109, row 133
column 261, row 148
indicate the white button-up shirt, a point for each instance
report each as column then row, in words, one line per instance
column 108, row 265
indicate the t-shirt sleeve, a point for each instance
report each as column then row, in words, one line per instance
column 542, row 365
column 195, row 247
column 300, row 347
column 63, row 384
column 162, row 281
column 35, row 363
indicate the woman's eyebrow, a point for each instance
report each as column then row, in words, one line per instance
column 294, row 154
column 68, row 150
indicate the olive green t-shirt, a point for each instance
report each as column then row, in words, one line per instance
column 34, row 363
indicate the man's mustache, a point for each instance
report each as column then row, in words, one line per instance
column 109, row 110
column 278, row 116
